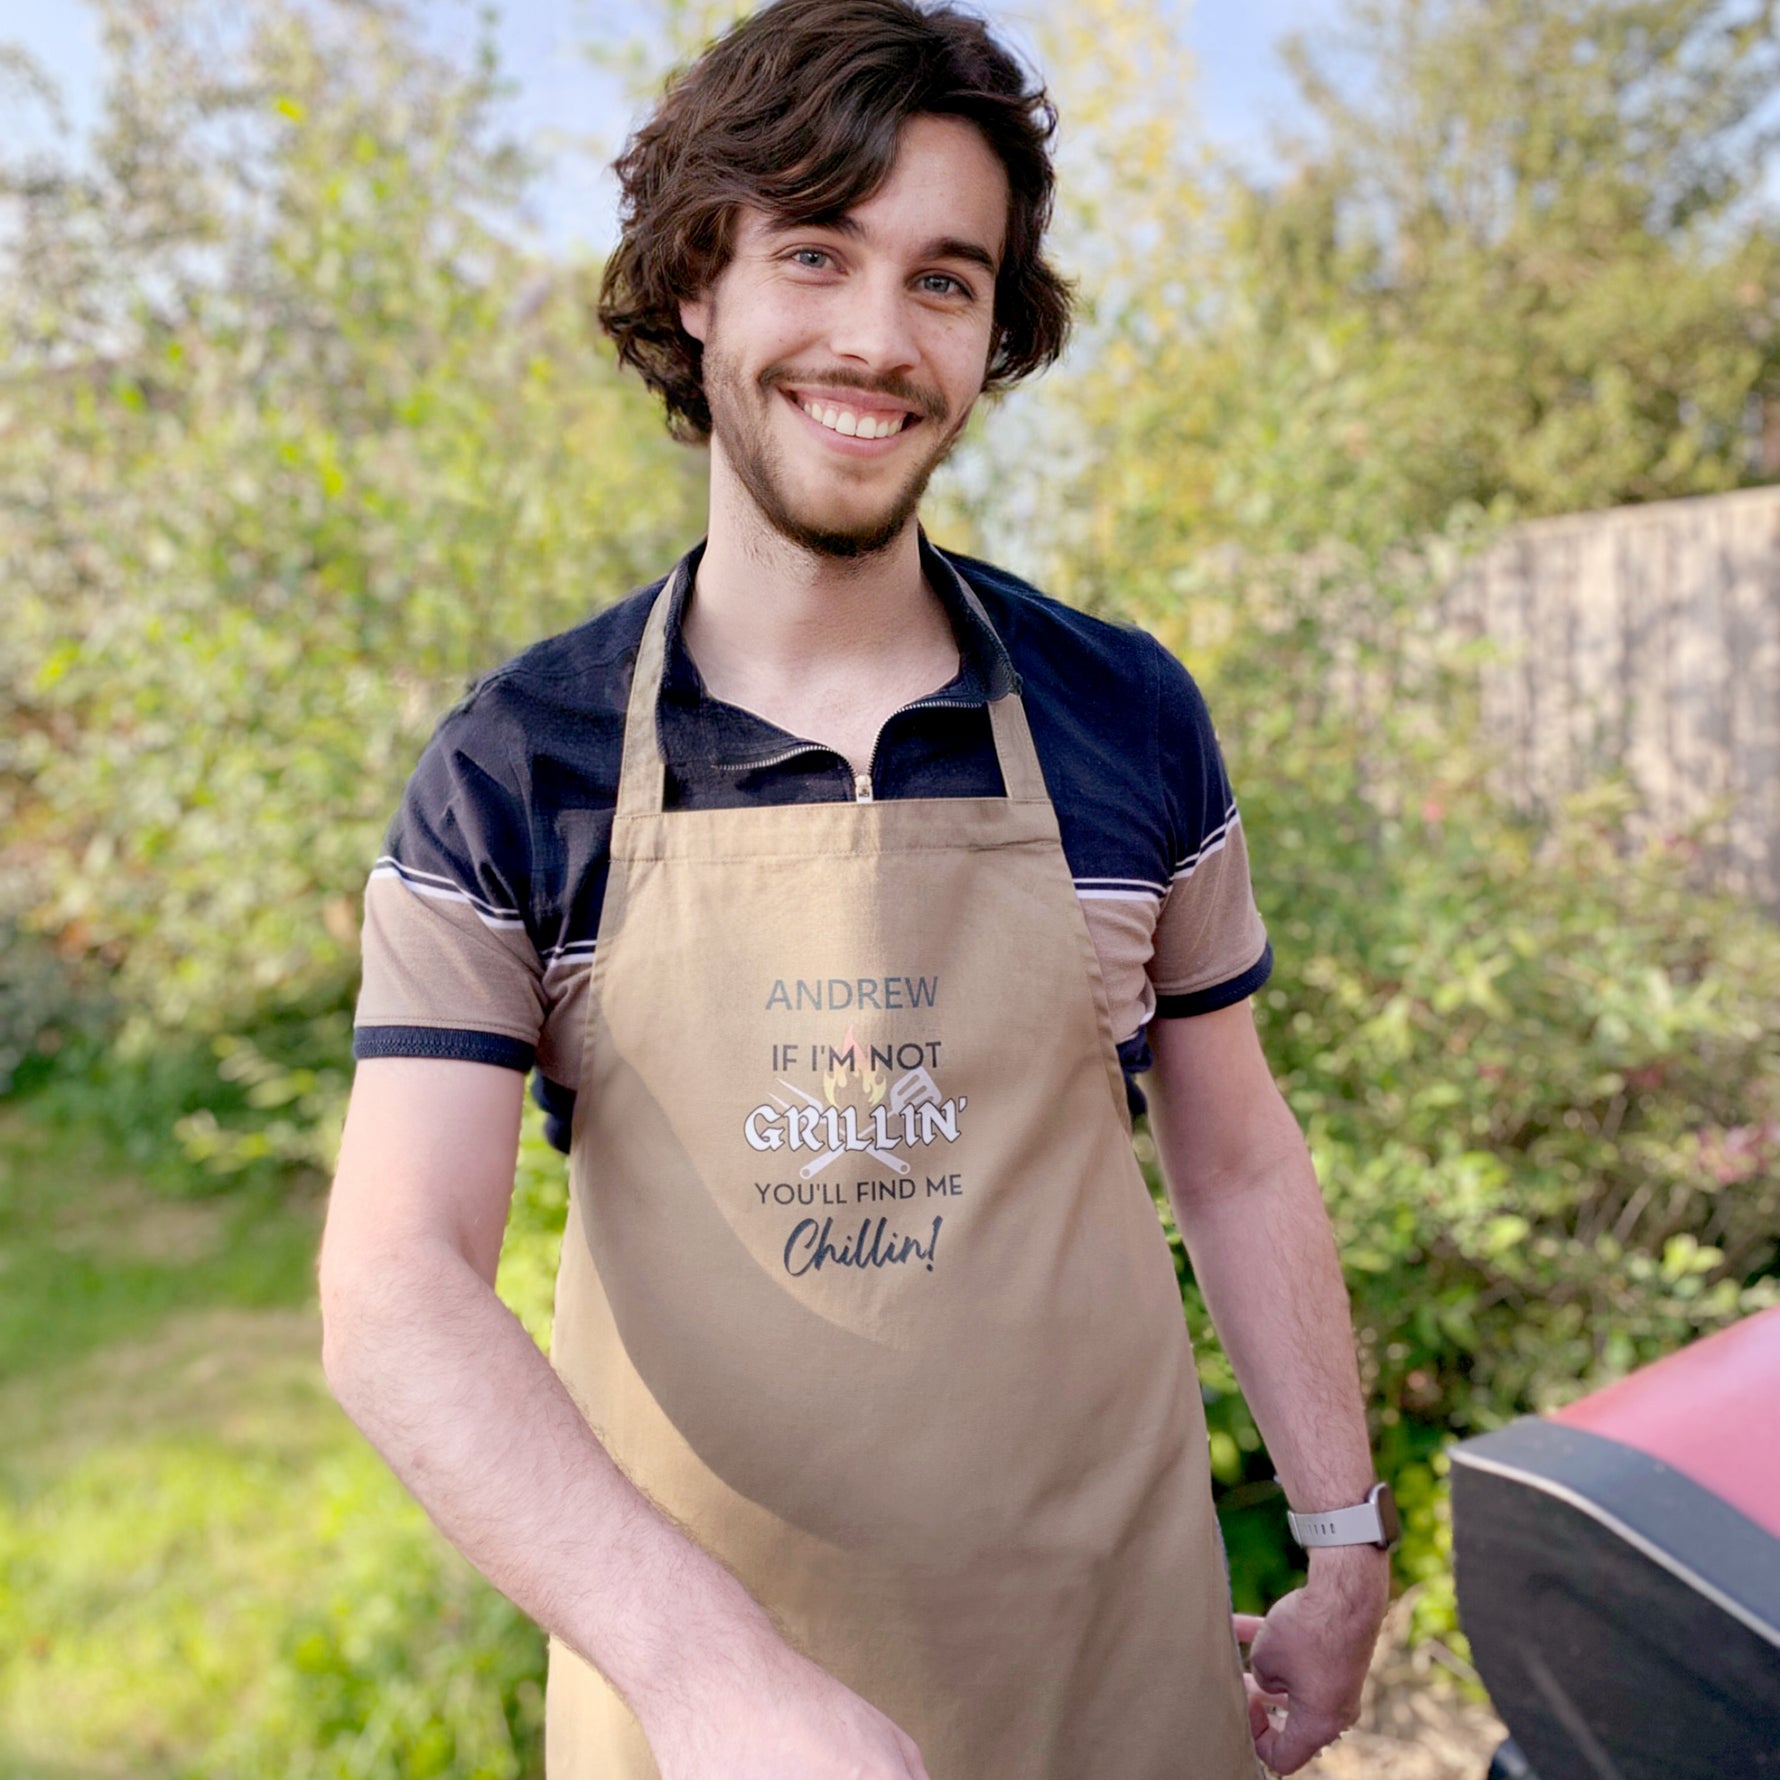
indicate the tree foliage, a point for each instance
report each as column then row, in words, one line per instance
column 297, row 444
column 1545, row 223
column 1522, row 257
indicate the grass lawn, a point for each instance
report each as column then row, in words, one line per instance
column 204, row 1571
column 205, row 1574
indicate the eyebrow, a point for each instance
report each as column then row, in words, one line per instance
column 952, row 247
column 941, row 247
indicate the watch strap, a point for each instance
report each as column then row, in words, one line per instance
column 1371, row 1522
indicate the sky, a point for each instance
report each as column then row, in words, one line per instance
column 559, row 96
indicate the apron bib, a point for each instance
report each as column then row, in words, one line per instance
column 863, row 1285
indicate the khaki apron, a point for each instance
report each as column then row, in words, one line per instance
column 863, row 1285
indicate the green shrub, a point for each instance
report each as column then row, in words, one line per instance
column 1537, row 1065
column 415, row 1668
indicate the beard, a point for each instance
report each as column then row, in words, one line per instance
column 741, row 423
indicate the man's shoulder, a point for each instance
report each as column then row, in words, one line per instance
column 589, row 664
column 563, row 690
column 1110, row 701
column 1051, row 640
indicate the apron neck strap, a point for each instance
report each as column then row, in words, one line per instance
column 1020, row 771
column 642, row 776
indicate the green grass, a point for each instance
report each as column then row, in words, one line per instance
column 204, row 1571
column 92, row 1260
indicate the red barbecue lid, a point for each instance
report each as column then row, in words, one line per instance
column 1712, row 1411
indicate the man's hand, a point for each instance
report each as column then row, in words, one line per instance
column 1308, row 1660
column 776, row 1718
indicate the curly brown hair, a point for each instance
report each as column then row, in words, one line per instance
column 797, row 110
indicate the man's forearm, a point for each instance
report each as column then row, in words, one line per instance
column 448, row 1386
column 1264, row 1257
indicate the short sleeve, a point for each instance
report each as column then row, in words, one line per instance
column 450, row 966
column 1210, row 947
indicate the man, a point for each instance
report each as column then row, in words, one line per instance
column 836, row 887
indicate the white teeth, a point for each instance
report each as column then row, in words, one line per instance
column 853, row 426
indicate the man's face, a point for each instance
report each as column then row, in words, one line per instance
column 841, row 361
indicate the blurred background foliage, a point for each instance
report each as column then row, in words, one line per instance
column 297, row 445
column 298, row 439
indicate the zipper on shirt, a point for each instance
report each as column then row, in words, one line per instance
column 795, row 752
column 862, row 782
column 931, row 703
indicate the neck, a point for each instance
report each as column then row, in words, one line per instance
column 762, row 601
column 825, row 647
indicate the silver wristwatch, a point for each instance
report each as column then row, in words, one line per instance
column 1371, row 1522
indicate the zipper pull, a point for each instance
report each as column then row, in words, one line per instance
column 862, row 787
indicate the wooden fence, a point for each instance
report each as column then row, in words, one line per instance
column 1645, row 641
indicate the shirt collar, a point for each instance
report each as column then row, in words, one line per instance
column 986, row 672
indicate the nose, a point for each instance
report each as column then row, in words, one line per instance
column 872, row 325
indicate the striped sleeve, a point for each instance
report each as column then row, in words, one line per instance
column 1210, row 947
column 450, row 966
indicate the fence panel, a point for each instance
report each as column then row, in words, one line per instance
column 1644, row 640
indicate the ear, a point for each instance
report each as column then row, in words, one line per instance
column 695, row 317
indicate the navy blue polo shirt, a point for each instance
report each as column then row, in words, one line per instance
column 482, row 916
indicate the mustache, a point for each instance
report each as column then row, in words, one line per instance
column 897, row 389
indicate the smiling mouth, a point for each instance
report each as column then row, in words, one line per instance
column 854, row 422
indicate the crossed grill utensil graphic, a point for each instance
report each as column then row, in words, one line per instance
column 917, row 1088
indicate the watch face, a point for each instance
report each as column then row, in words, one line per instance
column 1389, row 1525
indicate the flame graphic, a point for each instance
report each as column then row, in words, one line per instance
column 872, row 1082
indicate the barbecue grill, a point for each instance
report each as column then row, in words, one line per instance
column 1618, row 1569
